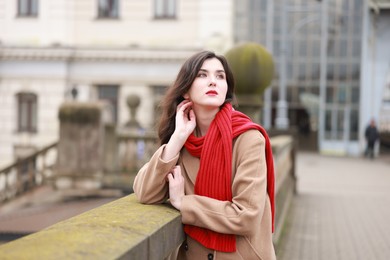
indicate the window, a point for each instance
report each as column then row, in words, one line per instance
column 27, row 112
column 110, row 94
column 108, row 8
column 164, row 9
column 27, row 7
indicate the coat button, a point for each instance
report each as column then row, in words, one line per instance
column 210, row 256
column 186, row 246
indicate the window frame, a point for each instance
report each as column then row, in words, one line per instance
column 112, row 100
column 109, row 12
column 32, row 8
column 162, row 9
column 27, row 109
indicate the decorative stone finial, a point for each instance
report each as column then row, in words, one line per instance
column 133, row 101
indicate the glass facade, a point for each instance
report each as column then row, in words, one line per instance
column 303, row 60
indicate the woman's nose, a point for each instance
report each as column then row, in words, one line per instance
column 212, row 81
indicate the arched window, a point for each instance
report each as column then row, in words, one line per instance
column 27, row 112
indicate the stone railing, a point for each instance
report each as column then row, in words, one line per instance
column 128, row 151
column 126, row 229
column 123, row 229
column 27, row 173
column 284, row 151
column 134, row 149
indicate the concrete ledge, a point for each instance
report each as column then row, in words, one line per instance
column 123, row 229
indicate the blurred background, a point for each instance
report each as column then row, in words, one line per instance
column 335, row 76
column 331, row 58
column 335, row 62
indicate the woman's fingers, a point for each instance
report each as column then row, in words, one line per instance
column 175, row 179
column 192, row 115
column 176, row 187
column 185, row 118
column 175, row 174
column 176, row 171
column 184, row 105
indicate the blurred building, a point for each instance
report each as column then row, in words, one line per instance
column 377, row 69
column 63, row 50
column 332, row 93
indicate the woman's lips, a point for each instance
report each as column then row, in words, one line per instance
column 212, row 92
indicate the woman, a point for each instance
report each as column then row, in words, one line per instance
column 214, row 165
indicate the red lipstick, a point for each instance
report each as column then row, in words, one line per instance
column 211, row 92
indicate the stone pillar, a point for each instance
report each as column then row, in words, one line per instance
column 250, row 105
column 111, row 164
column 81, row 147
column 132, row 131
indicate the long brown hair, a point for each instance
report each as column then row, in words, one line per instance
column 182, row 84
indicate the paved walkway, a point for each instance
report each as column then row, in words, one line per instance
column 341, row 211
column 41, row 208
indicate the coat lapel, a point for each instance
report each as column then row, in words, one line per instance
column 190, row 165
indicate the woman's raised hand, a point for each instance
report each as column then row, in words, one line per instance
column 185, row 125
column 185, row 120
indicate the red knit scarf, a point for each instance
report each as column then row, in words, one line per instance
column 214, row 177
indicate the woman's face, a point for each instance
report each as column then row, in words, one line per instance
column 209, row 87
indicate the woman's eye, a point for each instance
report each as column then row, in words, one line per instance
column 202, row 75
column 220, row 76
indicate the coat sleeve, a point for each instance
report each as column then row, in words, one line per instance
column 150, row 185
column 249, row 185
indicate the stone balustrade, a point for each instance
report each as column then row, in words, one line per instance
column 26, row 174
column 126, row 229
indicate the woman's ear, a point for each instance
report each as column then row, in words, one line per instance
column 186, row 96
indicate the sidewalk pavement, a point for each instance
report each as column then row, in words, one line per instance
column 341, row 210
column 42, row 208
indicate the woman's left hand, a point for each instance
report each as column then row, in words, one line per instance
column 176, row 187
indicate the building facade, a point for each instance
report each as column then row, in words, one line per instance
column 56, row 51
column 376, row 67
column 332, row 65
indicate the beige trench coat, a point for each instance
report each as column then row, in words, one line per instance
column 248, row 215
